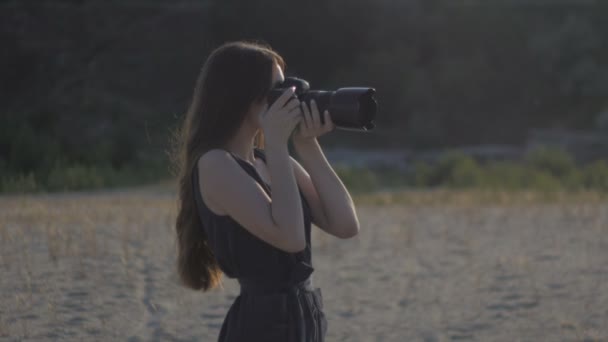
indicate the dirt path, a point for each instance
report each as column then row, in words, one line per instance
column 101, row 267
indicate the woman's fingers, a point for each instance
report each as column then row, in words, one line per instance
column 295, row 120
column 283, row 99
column 311, row 122
column 291, row 105
column 328, row 123
column 306, row 114
column 294, row 110
column 316, row 118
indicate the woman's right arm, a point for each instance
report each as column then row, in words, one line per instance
column 287, row 203
column 278, row 221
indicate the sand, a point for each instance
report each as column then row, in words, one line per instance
column 100, row 266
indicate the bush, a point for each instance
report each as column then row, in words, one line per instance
column 19, row 183
column 541, row 180
column 74, row 177
column 505, row 175
column 389, row 176
column 595, row 176
column 554, row 161
column 422, row 175
column 465, row 172
column 455, row 169
column 543, row 170
column 441, row 172
column 357, row 179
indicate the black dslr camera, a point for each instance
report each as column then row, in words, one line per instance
column 352, row 108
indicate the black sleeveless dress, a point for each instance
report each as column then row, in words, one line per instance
column 277, row 301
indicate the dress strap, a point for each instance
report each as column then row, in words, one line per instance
column 259, row 153
column 250, row 169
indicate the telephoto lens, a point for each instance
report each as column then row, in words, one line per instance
column 350, row 108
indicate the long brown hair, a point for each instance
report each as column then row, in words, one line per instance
column 233, row 77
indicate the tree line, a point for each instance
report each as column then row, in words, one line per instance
column 103, row 83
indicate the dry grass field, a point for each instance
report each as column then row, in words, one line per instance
column 441, row 266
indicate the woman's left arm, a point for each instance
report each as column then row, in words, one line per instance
column 332, row 206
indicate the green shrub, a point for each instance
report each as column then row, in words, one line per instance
column 456, row 169
column 595, row 176
column 74, row 177
column 19, row 183
column 554, row 161
column 543, row 171
column 357, row 179
column 443, row 169
column 465, row 172
column 422, row 175
column 541, row 180
column 505, row 175
column 389, row 176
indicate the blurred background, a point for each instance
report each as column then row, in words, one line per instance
column 496, row 93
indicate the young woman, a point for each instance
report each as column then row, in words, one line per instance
column 232, row 150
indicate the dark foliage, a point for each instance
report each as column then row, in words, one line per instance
column 102, row 83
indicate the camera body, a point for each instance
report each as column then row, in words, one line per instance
column 350, row 108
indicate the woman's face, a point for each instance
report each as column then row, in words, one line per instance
column 258, row 107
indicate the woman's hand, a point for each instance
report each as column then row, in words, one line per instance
column 311, row 127
column 281, row 118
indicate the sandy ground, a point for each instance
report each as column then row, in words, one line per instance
column 86, row 267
